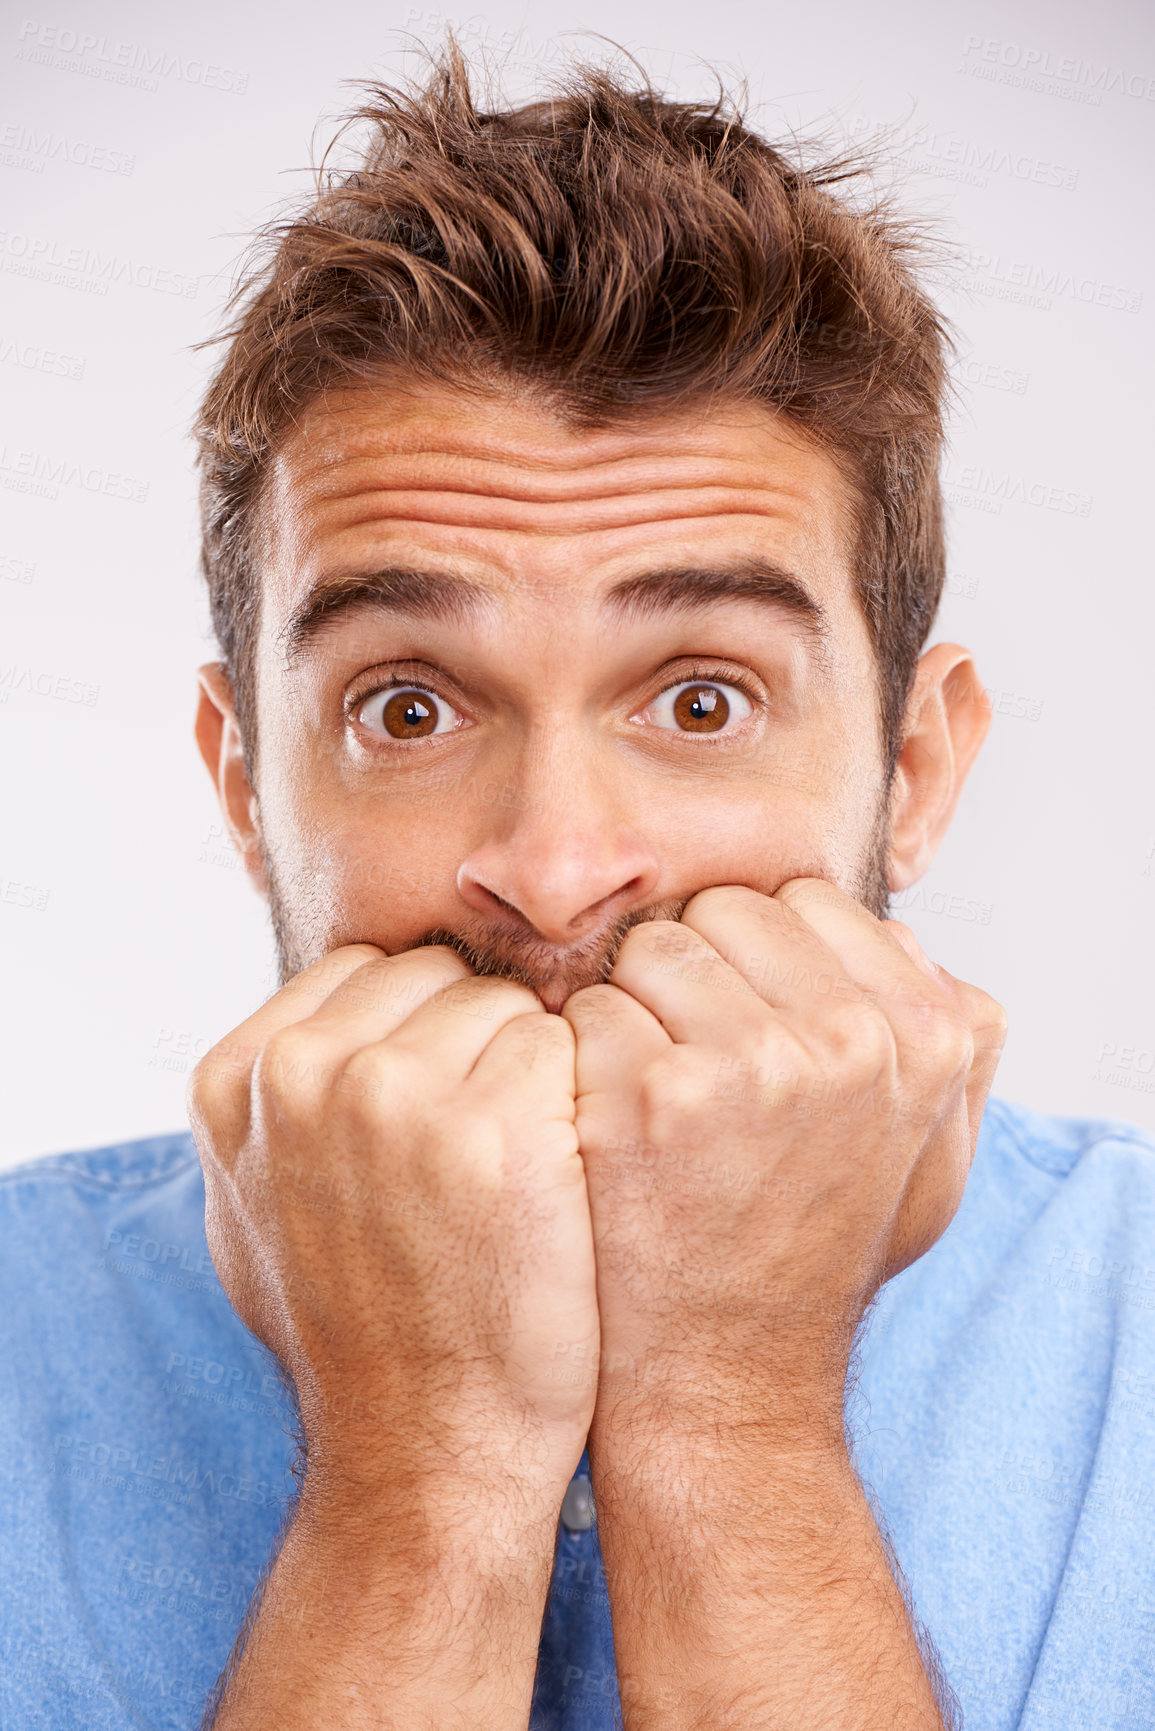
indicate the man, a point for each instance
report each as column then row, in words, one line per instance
column 572, row 531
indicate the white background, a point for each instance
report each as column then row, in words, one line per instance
column 132, row 168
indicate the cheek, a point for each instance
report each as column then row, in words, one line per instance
column 755, row 832
column 806, row 809
column 372, row 868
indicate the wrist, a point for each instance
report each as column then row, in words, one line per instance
column 392, row 1611
column 445, row 1519
column 372, row 1456
column 706, row 1477
column 703, row 1427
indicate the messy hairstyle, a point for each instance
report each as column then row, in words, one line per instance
column 614, row 254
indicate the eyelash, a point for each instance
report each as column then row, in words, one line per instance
column 700, row 672
column 716, row 676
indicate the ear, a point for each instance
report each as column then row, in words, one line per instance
column 947, row 718
column 218, row 735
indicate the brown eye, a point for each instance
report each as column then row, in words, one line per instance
column 701, row 709
column 700, row 706
column 407, row 714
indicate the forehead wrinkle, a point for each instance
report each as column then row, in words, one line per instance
column 484, row 506
column 336, row 465
column 481, row 512
column 439, row 471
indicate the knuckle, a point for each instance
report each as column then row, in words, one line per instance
column 682, row 1080
column 217, row 1078
column 799, row 892
column 287, row 1063
column 594, row 1006
column 370, row 1074
column 671, row 950
column 360, row 953
column 329, row 972
column 718, row 898
column 203, row 1093
column 860, row 1038
column 945, row 1041
column 539, row 1035
column 986, row 1015
column 667, row 937
column 773, row 1053
column 486, row 996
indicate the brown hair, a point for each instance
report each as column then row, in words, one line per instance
column 617, row 254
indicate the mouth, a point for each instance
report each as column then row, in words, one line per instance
column 553, row 979
column 552, row 974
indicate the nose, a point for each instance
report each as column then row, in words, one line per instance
column 561, row 853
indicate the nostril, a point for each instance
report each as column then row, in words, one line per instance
column 499, row 903
column 598, row 910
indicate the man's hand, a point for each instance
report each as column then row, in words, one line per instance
column 778, row 1102
column 396, row 1205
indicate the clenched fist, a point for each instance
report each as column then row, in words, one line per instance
column 778, row 1102
column 396, row 1206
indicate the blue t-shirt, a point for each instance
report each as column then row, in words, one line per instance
column 1003, row 1408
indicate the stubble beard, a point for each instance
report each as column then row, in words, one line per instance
column 532, row 961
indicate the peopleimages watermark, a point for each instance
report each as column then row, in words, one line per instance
column 82, row 267
column 178, row 1050
column 1039, row 69
column 43, row 682
column 973, row 486
column 1026, row 283
column 991, row 375
column 516, row 48
column 944, row 902
column 949, row 155
column 1125, row 1066
column 133, row 64
column 32, row 147
column 961, row 583
column 42, row 476
column 16, row 894
column 34, row 359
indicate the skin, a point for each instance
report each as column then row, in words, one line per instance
column 590, row 1017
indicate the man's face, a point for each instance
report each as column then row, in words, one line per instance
column 520, row 687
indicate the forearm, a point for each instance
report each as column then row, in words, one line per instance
column 372, row 1616
column 755, row 1594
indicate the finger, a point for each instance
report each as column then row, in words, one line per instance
column 617, row 1037
column 695, row 993
column 904, row 936
column 868, row 948
column 452, row 1030
column 218, row 1092
column 906, row 987
column 309, row 1057
column 925, row 1005
column 377, row 997
column 527, row 1070
column 983, row 1014
column 780, row 956
column 988, row 1023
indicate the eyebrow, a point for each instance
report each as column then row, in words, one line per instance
column 395, row 589
column 430, row 595
column 692, row 588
